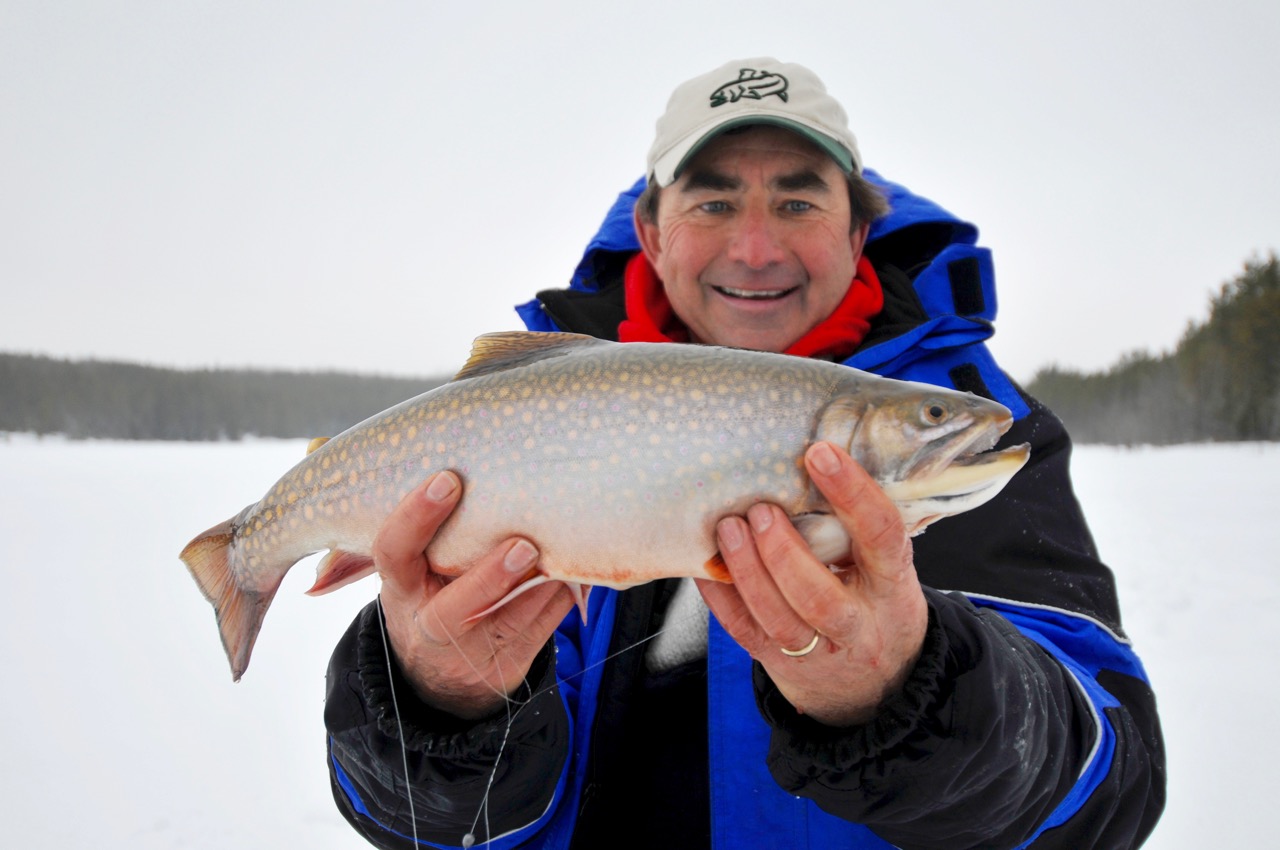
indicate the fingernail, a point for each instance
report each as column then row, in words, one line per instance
column 520, row 557
column 730, row 535
column 824, row 460
column 442, row 487
column 761, row 517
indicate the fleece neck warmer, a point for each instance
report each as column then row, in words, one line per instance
column 651, row 319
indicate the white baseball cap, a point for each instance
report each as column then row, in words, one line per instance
column 744, row 92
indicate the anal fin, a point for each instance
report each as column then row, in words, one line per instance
column 580, row 593
column 338, row 569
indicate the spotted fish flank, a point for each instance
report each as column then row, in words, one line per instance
column 616, row 461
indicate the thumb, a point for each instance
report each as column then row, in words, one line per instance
column 879, row 540
column 399, row 550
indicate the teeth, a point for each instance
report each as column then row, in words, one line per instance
column 754, row 293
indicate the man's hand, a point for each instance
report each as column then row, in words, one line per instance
column 870, row 619
column 470, row 669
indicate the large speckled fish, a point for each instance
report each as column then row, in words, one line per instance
column 615, row 460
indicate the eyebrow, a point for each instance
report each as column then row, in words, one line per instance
column 706, row 179
column 806, row 180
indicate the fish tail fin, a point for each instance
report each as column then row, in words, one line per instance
column 239, row 609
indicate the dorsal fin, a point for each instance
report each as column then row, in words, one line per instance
column 497, row 352
column 316, row 443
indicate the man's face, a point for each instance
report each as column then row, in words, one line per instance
column 753, row 241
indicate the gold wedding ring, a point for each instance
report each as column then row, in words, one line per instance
column 796, row 653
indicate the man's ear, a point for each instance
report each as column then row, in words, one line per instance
column 647, row 232
column 858, row 240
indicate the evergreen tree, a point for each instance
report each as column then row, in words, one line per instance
column 1222, row 382
column 132, row 402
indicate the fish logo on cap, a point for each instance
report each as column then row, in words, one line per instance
column 751, row 84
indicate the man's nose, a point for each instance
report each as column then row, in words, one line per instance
column 756, row 242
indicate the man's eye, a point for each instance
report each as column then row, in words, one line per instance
column 797, row 206
column 714, row 206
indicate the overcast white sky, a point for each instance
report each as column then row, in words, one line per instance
column 369, row 186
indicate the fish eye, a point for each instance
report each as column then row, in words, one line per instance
column 934, row 412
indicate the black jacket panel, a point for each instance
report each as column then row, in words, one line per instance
column 450, row 763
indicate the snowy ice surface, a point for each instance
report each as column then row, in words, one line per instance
column 120, row 727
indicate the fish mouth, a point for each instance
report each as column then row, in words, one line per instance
column 966, row 482
column 754, row 294
column 969, row 436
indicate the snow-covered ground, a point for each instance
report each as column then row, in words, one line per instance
column 120, row 727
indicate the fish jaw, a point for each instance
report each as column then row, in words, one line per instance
column 926, row 446
column 966, row 483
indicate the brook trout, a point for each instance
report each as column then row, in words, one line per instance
column 615, row 460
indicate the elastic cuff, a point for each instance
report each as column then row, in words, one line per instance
column 424, row 728
column 897, row 717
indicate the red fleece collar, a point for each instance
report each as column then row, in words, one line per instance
column 651, row 319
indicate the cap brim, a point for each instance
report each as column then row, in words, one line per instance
column 828, row 145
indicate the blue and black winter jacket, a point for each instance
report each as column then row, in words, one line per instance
column 1028, row 720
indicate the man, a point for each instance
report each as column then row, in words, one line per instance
column 974, row 691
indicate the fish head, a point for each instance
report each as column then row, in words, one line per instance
column 928, row 447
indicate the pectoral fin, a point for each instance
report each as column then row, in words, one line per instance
column 716, row 569
column 826, row 537
column 532, row 580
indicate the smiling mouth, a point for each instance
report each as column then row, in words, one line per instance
column 755, row 294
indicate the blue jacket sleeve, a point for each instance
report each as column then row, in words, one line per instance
column 1028, row 720
column 499, row 777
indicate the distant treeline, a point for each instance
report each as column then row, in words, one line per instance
column 1222, row 382
column 131, row 402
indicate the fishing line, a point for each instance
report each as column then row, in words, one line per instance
column 520, row 704
column 468, row 840
column 395, row 706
